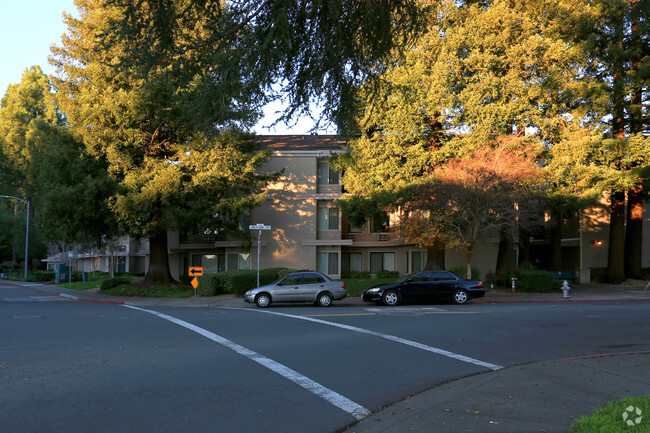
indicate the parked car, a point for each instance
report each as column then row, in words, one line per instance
column 425, row 287
column 299, row 287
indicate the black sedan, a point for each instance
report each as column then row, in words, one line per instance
column 425, row 287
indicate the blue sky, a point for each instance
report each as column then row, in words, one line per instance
column 29, row 27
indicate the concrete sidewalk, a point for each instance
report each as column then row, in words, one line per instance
column 539, row 397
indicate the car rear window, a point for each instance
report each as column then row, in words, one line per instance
column 313, row 279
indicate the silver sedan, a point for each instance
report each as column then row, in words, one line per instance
column 299, row 287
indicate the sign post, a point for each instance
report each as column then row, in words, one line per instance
column 259, row 228
column 195, row 271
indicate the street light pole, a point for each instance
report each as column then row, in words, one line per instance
column 26, row 229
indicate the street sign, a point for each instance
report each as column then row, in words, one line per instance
column 196, row 271
column 259, row 227
column 195, row 284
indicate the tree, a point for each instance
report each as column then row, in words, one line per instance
column 481, row 71
column 488, row 191
column 614, row 87
column 160, row 90
column 25, row 107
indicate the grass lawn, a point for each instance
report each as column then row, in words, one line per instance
column 81, row 285
column 610, row 419
column 150, row 292
column 355, row 287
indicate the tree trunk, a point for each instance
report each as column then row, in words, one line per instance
column 470, row 250
column 435, row 257
column 505, row 256
column 634, row 232
column 616, row 251
column 158, row 273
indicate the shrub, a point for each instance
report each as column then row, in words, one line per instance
column 43, row 276
column 537, row 281
column 357, row 275
column 462, row 271
column 185, row 279
column 113, row 282
column 387, row 274
column 236, row 282
column 271, row 275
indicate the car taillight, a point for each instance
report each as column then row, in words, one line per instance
column 480, row 283
column 343, row 285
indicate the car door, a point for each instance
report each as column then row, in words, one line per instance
column 443, row 283
column 312, row 285
column 418, row 288
column 288, row 289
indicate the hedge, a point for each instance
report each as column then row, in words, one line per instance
column 237, row 282
column 462, row 271
column 537, row 281
column 114, row 282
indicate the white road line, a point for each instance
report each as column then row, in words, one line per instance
column 354, row 409
column 400, row 340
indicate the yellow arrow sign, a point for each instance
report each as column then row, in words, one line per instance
column 196, row 271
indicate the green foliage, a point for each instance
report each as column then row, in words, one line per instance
column 237, row 282
column 150, row 291
column 227, row 282
column 357, row 275
column 537, row 281
column 41, row 276
column 462, row 271
column 388, row 274
column 609, row 419
column 113, row 282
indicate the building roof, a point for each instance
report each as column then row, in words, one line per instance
column 302, row 142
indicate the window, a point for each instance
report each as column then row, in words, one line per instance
column 327, row 176
column 313, row 279
column 418, row 260
column 328, row 218
column 328, row 263
column 238, row 261
column 382, row 262
column 421, row 276
column 443, row 276
column 291, row 280
column 351, row 262
column 211, row 263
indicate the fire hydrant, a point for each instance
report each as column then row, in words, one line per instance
column 565, row 289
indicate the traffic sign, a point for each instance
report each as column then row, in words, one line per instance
column 196, row 271
column 195, row 283
column 259, row 227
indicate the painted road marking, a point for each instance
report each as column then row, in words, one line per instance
column 354, row 409
column 400, row 340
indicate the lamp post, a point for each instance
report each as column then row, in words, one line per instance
column 26, row 229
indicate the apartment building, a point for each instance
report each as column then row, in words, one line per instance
column 308, row 231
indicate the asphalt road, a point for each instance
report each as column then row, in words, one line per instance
column 73, row 366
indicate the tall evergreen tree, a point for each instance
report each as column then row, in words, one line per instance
column 156, row 90
column 483, row 70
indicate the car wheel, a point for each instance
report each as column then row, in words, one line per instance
column 263, row 300
column 390, row 298
column 324, row 300
column 460, row 296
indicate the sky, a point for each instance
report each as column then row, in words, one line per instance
column 29, row 27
